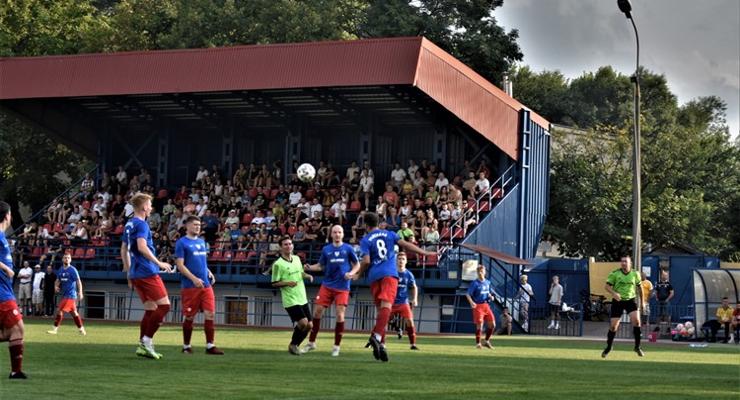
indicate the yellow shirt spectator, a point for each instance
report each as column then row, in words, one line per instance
column 724, row 314
column 646, row 286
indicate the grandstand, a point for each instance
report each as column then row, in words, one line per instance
column 219, row 133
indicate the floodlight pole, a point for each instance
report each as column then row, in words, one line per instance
column 626, row 8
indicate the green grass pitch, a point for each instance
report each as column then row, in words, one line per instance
column 102, row 365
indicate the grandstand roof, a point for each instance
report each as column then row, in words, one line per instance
column 489, row 252
column 343, row 76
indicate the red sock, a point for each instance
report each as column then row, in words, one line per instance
column 384, row 314
column 412, row 334
column 144, row 325
column 156, row 319
column 58, row 320
column 187, row 331
column 314, row 330
column 16, row 355
column 477, row 335
column 210, row 330
column 489, row 332
column 338, row 331
column 78, row 320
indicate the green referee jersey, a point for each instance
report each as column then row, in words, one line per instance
column 624, row 284
column 285, row 270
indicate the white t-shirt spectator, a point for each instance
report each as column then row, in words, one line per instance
column 294, row 198
column 233, row 219
column 305, row 208
column 316, row 210
column 201, row 174
column 412, row 169
column 398, row 175
column 38, row 277
column 352, row 171
column 366, row 183
column 259, row 220
column 218, row 189
column 25, row 275
column 121, row 176
column 99, row 207
column 526, row 290
column 128, row 210
column 440, row 183
column 482, row 185
column 556, row 294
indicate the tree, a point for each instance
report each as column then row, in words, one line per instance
column 464, row 28
column 690, row 170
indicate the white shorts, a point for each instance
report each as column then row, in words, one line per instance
column 38, row 296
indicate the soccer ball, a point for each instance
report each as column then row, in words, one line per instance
column 306, row 172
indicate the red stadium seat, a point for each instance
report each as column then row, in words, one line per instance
column 444, row 233
column 37, row 252
column 497, row 193
column 79, row 253
column 485, row 206
column 48, row 227
column 267, row 192
column 274, row 193
column 291, row 230
column 118, row 230
column 253, row 192
column 240, row 256
column 162, row 194
column 471, row 203
column 90, row 254
column 459, row 233
column 355, row 206
column 58, row 228
column 282, row 229
column 247, row 218
column 227, row 255
column 429, row 261
column 217, row 255
column 86, row 205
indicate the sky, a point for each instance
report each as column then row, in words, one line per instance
column 694, row 43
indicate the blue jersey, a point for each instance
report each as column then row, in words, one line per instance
column 405, row 281
column 141, row 267
column 337, row 261
column 68, row 282
column 194, row 254
column 480, row 291
column 6, row 282
column 380, row 246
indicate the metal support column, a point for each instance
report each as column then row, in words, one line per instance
column 163, row 159
column 440, row 147
column 524, row 176
column 227, row 150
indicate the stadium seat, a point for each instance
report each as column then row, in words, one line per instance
column 247, row 218
column 459, row 233
column 37, row 252
column 217, row 255
column 228, row 255
column 282, row 229
column 118, row 230
column 470, row 204
column 292, row 230
column 79, row 253
column 162, row 194
column 485, row 206
column 48, row 227
column 90, row 254
column 240, row 256
column 267, row 192
column 86, row 205
column 355, row 206
column 58, row 228
column 497, row 193
column 253, row 193
column 444, row 233
column 429, row 261
column 274, row 193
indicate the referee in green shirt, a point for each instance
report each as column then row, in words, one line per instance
column 288, row 275
column 623, row 284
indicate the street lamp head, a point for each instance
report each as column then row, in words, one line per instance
column 625, row 7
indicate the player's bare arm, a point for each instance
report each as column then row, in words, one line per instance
column 313, row 267
column 611, row 291
column 79, row 289
column 353, row 273
column 414, row 248
column 307, row 276
column 470, row 300
column 414, row 297
column 144, row 250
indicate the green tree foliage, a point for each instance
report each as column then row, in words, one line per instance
column 690, row 170
column 464, row 28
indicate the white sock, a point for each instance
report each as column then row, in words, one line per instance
column 147, row 341
column 186, row 346
column 377, row 337
column 210, row 345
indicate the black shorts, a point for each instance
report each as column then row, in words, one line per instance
column 297, row 313
column 621, row 306
column 554, row 308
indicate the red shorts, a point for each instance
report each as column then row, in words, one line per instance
column 482, row 312
column 195, row 300
column 150, row 288
column 9, row 314
column 384, row 289
column 403, row 309
column 328, row 295
column 68, row 305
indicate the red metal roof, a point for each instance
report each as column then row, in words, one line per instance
column 397, row 61
column 489, row 252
